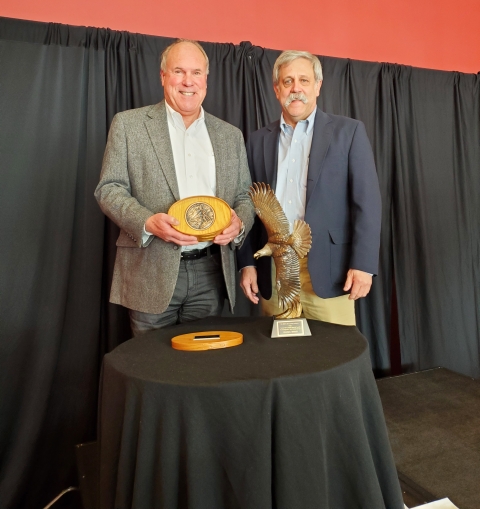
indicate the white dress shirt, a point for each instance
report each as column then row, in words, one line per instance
column 193, row 158
column 192, row 154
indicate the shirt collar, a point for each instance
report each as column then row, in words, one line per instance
column 309, row 121
column 177, row 120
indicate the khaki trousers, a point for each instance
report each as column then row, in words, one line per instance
column 338, row 310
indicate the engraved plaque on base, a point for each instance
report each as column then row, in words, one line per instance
column 290, row 327
column 205, row 217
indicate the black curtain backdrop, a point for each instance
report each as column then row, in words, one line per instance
column 59, row 89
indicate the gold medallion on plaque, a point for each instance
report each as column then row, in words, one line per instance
column 200, row 215
column 205, row 217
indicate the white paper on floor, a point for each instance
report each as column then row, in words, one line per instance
column 445, row 503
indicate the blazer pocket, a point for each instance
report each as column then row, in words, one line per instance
column 340, row 250
column 340, row 236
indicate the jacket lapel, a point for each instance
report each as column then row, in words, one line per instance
column 217, row 139
column 270, row 153
column 157, row 128
column 322, row 137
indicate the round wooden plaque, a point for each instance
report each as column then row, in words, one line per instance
column 205, row 217
column 208, row 340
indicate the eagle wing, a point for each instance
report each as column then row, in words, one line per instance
column 301, row 238
column 287, row 280
column 269, row 210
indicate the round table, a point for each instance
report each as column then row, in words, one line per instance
column 273, row 423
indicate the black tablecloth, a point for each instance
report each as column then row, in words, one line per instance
column 273, row 423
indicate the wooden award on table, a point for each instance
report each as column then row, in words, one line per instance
column 209, row 340
column 286, row 249
column 205, row 217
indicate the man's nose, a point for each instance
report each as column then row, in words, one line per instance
column 188, row 79
column 296, row 86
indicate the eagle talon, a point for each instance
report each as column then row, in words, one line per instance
column 291, row 312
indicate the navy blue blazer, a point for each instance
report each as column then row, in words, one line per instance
column 343, row 204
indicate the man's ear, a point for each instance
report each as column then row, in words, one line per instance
column 162, row 78
column 277, row 91
column 318, row 86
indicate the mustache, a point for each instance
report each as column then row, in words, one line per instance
column 299, row 96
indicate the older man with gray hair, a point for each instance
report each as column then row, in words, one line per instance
column 322, row 169
column 155, row 156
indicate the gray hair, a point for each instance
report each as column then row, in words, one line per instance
column 166, row 51
column 289, row 56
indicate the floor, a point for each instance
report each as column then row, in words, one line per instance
column 433, row 419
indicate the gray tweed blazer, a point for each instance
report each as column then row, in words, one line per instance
column 138, row 179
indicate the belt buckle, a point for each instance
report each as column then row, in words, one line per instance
column 194, row 254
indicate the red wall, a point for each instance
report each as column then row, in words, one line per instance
column 438, row 34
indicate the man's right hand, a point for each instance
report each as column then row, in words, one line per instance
column 160, row 225
column 248, row 283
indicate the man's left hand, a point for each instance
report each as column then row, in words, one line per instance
column 230, row 232
column 359, row 283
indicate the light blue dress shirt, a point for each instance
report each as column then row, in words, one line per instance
column 293, row 157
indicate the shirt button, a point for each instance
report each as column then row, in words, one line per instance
column 295, row 141
column 289, row 201
column 191, row 176
column 175, row 247
column 293, row 160
column 291, row 180
column 188, row 155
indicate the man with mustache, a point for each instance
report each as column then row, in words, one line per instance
column 155, row 156
column 322, row 169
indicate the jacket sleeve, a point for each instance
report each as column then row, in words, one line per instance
column 366, row 205
column 245, row 254
column 114, row 193
column 243, row 204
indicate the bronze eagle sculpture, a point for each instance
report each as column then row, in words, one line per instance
column 286, row 248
